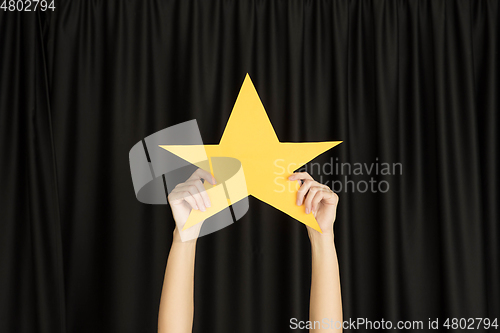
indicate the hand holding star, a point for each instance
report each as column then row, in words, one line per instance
column 318, row 199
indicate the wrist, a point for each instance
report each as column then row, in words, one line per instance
column 322, row 245
column 320, row 239
column 176, row 238
column 315, row 235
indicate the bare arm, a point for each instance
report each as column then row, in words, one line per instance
column 325, row 298
column 177, row 305
column 325, row 301
column 176, row 310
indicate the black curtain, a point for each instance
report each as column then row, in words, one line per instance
column 410, row 82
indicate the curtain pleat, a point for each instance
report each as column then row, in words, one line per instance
column 31, row 259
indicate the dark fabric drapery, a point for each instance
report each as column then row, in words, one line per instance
column 410, row 82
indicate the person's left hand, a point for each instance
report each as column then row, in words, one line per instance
column 318, row 199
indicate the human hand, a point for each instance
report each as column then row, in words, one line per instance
column 318, row 199
column 187, row 196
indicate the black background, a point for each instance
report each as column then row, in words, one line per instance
column 411, row 82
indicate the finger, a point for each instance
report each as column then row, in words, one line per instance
column 193, row 190
column 180, row 194
column 303, row 190
column 190, row 200
column 200, row 173
column 301, row 176
column 309, row 198
column 320, row 195
column 177, row 196
column 202, row 191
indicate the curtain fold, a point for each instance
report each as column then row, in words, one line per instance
column 409, row 82
column 31, row 258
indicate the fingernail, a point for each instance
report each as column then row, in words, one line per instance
column 308, row 210
column 209, row 205
column 298, row 202
column 203, row 209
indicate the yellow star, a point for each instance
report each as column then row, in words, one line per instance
column 250, row 137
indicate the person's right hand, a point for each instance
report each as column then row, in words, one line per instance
column 187, row 196
column 318, row 199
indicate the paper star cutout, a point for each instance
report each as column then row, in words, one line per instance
column 250, row 137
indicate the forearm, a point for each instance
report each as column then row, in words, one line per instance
column 176, row 305
column 325, row 301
